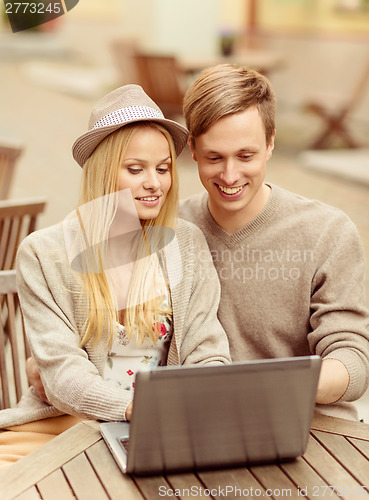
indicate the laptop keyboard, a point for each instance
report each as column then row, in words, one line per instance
column 124, row 442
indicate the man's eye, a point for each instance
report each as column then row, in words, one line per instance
column 246, row 157
column 214, row 158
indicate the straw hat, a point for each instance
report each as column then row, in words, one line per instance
column 127, row 104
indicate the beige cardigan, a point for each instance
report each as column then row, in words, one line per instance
column 72, row 376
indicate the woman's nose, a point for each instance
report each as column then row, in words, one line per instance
column 152, row 180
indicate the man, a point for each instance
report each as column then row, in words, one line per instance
column 291, row 269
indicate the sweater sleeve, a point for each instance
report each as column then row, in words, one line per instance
column 339, row 316
column 200, row 337
column 71, row 379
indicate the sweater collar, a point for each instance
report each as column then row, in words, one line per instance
column 250, row 227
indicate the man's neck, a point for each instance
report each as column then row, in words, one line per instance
column 233, row 221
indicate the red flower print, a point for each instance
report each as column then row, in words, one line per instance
column 130, row 372
column 159, row 328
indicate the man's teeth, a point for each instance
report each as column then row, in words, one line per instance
column 229, row 190
column 149, row 198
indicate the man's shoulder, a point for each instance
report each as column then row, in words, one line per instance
column 193, row 208
column 293, row 204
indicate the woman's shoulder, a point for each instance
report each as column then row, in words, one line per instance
column 43, row 257
column 189, row 236
column 189, row 233
column 185, row 227
column 44, row 244
column 48, row 236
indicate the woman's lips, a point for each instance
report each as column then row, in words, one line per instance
column 150, row 201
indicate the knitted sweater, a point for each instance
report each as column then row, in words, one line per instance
column 292, row 284
column 55, row 308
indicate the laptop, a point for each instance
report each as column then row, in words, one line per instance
column 196, row 417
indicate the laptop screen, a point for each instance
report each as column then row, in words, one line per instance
column 198, row 417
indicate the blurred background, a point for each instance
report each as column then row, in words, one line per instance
column 315, row 52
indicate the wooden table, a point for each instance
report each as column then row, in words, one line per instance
column 77, row 464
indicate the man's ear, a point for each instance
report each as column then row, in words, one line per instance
column 192, row 148
column 271, row 146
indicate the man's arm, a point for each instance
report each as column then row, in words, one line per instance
column 339, row 316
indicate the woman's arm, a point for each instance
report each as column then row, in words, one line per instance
column 54, row 310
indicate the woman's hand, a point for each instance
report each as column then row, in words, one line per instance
column 129, row 411
column 34, row 379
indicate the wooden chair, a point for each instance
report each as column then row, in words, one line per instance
column 123, row 52
column 335, row 121
column 8, row 159
column 14, row 348
column 17, row 220
column 160, row 77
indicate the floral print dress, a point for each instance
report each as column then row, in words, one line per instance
column 126, row 358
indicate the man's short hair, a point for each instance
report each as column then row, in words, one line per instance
column 224, row 90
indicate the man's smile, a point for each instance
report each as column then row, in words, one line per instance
column 231, row 191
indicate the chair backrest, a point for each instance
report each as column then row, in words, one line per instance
column 17, row 220
column 8, row 159
column 160, row 77
column 14, row 348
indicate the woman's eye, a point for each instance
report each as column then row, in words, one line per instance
column 162, row 170
column 134, row 170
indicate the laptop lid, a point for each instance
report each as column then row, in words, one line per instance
column 200, row 417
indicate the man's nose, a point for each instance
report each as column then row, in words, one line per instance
column 229, row 174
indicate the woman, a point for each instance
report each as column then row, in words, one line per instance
column 120, row 285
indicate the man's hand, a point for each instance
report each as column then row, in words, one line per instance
column 333, row 381
column 34, row 379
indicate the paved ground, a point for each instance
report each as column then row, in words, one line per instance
column 47, row 121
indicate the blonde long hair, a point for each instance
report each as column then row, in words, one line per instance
column 101, row 178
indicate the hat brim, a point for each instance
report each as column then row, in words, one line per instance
column 85, row 145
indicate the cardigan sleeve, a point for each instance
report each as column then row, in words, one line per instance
column 339, row 319
column 72, row 381
column 199, row 336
